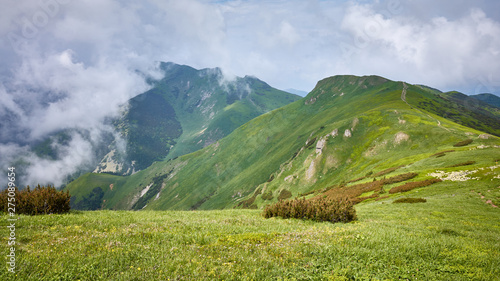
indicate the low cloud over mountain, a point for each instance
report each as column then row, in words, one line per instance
column 72, row 64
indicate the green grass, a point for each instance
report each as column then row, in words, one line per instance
column 453, row 236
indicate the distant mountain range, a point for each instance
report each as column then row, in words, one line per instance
column 186, row 110
column 297, row 92
column 488, row 98
column 346, row 129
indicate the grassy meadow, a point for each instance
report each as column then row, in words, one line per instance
column 455, row 235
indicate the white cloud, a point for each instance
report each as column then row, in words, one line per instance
column 70, row 64
column 72, row 156
column 83, row 95
column 441, row 52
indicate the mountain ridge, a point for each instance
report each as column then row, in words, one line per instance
column 343, row 129
column 488, row 98
column 195, row 108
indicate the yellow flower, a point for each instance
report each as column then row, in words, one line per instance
column 138, row 268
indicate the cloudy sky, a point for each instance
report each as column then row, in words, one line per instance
column 68, row 63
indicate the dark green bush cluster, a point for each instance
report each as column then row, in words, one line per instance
column 462, row 164
column 41, row 200
column 441, row 154
column 412, row 185
column 307, row 193
column 354, row 191
column 284, row 194
column 387, row 171
column 358, row 179
column 249, row 203
column 321, row 209
column 400, row 178
column 410, row 200
column 310, row 143
column 463, row 143
column 267, row 195
column 271, row 178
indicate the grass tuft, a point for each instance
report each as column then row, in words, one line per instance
column 410, row 200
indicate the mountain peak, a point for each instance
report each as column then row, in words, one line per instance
column 371, row 80
column 340, row 85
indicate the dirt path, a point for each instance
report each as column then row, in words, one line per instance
column 403, row 94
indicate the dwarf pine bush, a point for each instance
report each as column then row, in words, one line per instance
column 410, row 200
column 412, row 185
column 317, row 209
column 463, row 143
column 41, row 200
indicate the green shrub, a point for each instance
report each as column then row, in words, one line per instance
column 399, row 178
column 307, row 193
column 250, row 201
column 462, row 164
column 412, row 185
column 463, row 143
column 267, row 195
column 41, row 200
column 358, row 179
column 387, row 171
column 381, row 197
column 442, row 153
column 284, row 194
column 271, row 178
column 321, row 209
column 410, row 200
column 310, row 143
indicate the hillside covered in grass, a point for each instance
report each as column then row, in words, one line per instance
column 357, row 136
column 454, row 235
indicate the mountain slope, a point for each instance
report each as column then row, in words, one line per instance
column 488, row 98
column 187, row 110
column 347, row 128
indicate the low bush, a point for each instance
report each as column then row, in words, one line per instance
column 361, row 199
column 412, row 185
column 386, row 171
column 358, row 179
column 250, row 201
column 381, row 197
column 354, row 191
column 441, row 154
column 410, row 200
column 307, row 193
column 320, row 209
column 284, row 194
column 39, row 201
column 463, row 143
column 462, row 164
column 267, row 195
column 310, row 143
column 271, row 178
column 399, row 178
